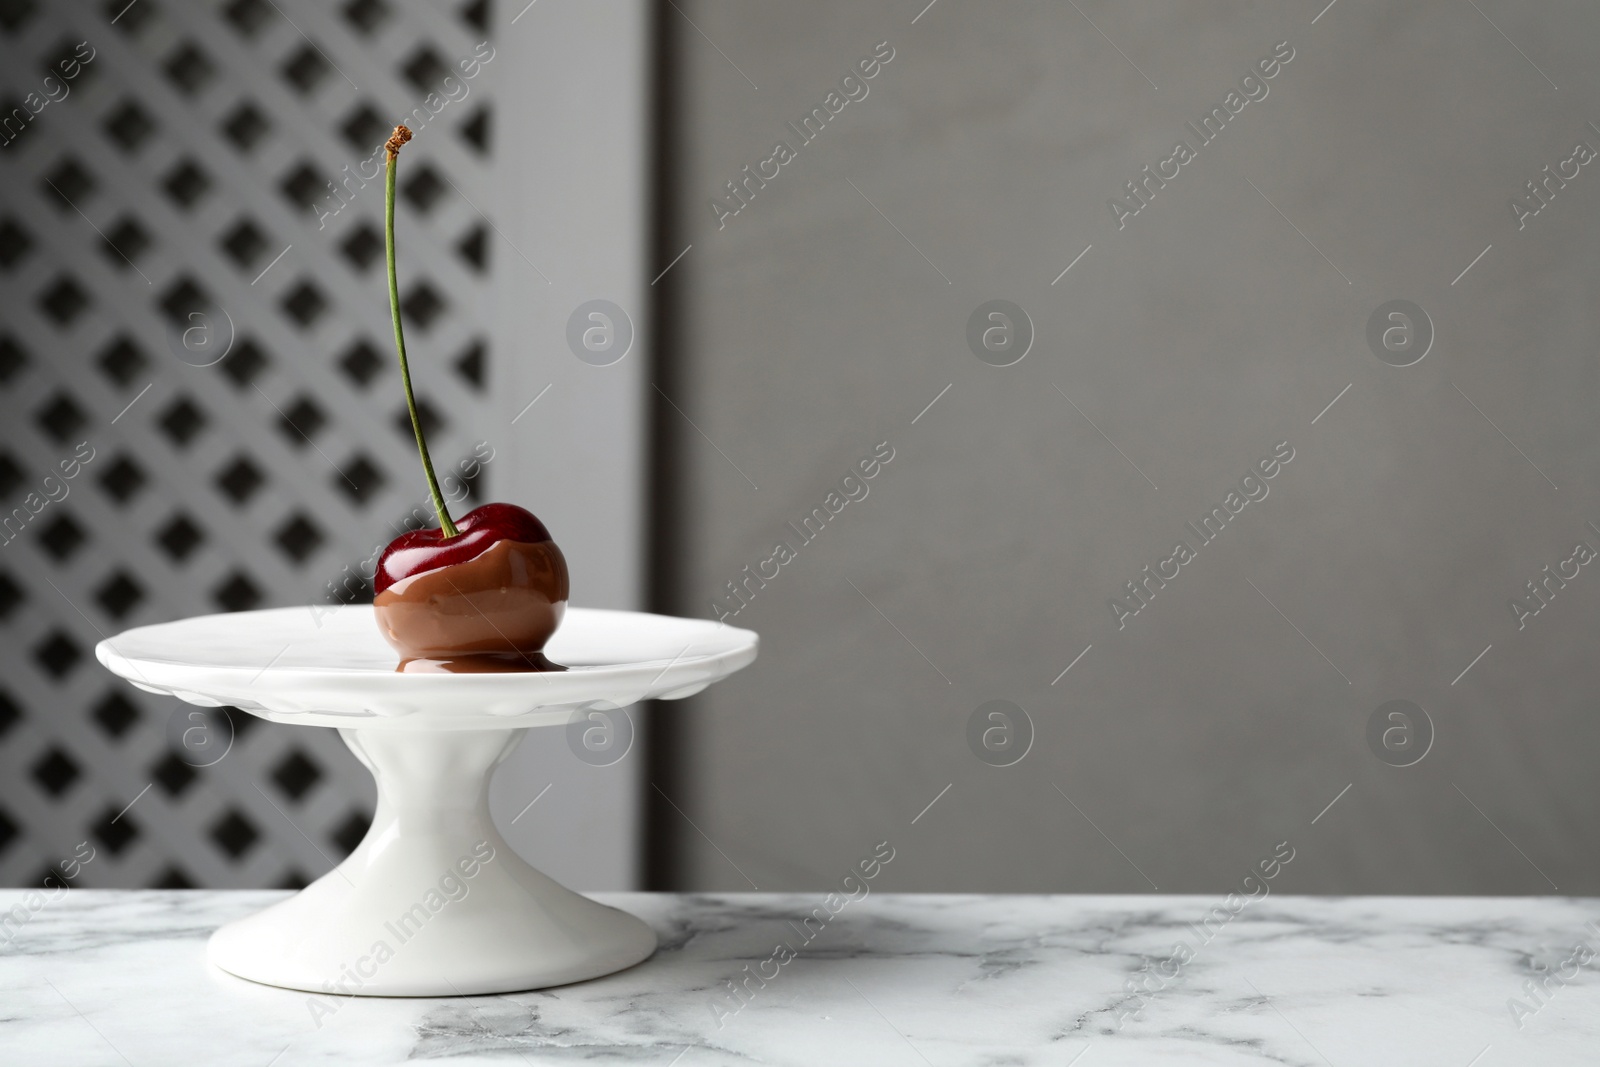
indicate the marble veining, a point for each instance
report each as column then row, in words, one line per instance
column 119, row 977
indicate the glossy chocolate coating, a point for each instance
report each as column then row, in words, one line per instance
column 500, row 606
column 521, row 663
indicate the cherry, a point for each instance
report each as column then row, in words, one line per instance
column 482, row 594
column 486, row 599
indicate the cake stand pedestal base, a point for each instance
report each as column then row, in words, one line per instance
column 433, row 902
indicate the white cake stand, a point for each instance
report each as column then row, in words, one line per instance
column 433, row 902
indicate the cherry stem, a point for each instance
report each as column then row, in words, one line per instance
column 401, row 136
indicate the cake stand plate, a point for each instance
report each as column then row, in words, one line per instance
column 433, row 902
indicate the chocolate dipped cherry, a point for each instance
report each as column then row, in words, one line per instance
column 482, row 594
column 488, row 598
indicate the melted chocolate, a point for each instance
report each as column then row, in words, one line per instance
column 490, row 663
column 493, row 612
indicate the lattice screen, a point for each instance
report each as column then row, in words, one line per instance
column 189, row 154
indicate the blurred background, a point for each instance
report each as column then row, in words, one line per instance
column 1143, row 435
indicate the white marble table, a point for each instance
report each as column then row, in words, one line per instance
column 119, row 978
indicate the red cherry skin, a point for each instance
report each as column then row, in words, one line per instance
column 426, row 550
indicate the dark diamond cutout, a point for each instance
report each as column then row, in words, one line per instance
column 423, row 305
column 360, row 479
column 64, row 301
column 238, row 593
column 306, row 69
column 9, row 831
column 362, row 362
column 115, row 714
column 301, row 421
column 245, row 363
column 122, row 479
column 115, row 830
column 49, row 878
column 58, row 654
column 10, row 714
column 293, row 880
column 189, row 68
column 355, row 589
column 128, row 16
column 296, row 774
column 242, row 722
column 126, row 242
column 179, row 537
column 240, row 479
column 12, row 358
column 11, row 475
column 245, row 127
column 351, row 831
column 120, row 595
column 62, row 536
column 173, row 878
column 299, row 538
column 14, row 243
column 173, row 775
column 304, row 186
column 67, row 185
column 425, row 69
column 55, row 772
column 424, row 188
column 11, row 595
column 476, row 15
column 186, row 183
column 475, row 131
column 122, row 361
column 365, row 128
column 248, row 16
column 15, row 117
column 61, row 418
column 471, row 363
column 182, row 421
column 304, row 304
column 244, row 244
column 234, row 834
column 364, row 246
column 474, row 248
column 14, row 14
column 64, row 59
column 432, row 422
column 366, row 15
column 184, row 298
column 129, row 126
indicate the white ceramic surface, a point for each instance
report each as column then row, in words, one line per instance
column 896, row 980
column 329, row 667
column 433, row 901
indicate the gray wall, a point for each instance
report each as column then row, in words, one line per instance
column 573, row 204
column 1220, row 321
